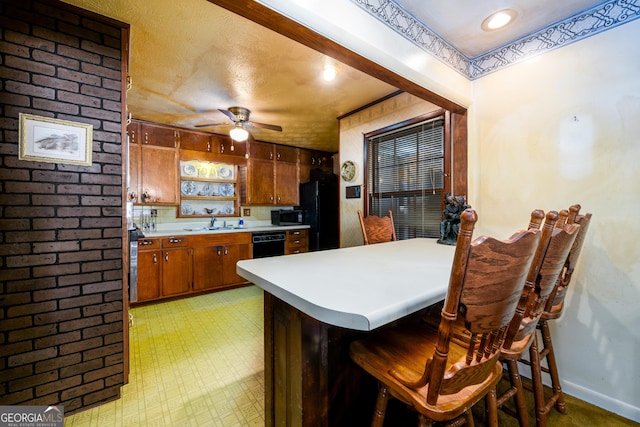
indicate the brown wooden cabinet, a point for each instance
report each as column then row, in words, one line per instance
column 197, row 141
column 181, row 265
column 313, row 159
column 176, row 266
column 271, row 176
column 297, row 242
column 158, row 135
column 149, row 269
column 133, row 179
column 153, row 164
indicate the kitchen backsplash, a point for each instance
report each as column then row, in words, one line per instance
column 167, row 214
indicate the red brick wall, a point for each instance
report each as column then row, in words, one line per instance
column 61, row 262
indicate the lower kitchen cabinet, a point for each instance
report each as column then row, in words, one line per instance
column 297, row 242
column 179, row 265
column 149, row 274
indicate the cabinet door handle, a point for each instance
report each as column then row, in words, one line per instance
column 271, row 156
column 209, row 146
column 278, row 156
column 218, row 250
column 297, row 233
column 145, row 243
column 226, row 250
column 279, row 198
column 133, row 136
column 146, row 138
column 296, row 241
column 166, row 256
column 174, row 240
column 155, row 258
column 313, row 160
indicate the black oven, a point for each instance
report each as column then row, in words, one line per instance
column 268, row 243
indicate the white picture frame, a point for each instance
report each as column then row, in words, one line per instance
column 44, row 139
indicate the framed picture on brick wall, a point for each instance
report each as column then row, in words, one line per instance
column 43, row 139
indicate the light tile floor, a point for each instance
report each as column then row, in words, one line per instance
column 193, row 362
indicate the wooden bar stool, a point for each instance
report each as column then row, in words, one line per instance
column 549, row 260
column 442, row 378
column 545, row 269
column 377, row 229
column 553, row 310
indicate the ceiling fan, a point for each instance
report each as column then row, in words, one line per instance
column 240, row 117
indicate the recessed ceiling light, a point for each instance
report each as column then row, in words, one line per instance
column 498, row 20
column 329, row 72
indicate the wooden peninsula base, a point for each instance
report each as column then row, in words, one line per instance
column 309, row 378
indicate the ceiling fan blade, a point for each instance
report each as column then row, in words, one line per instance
column 206, row 125
column 265, row 126
column 228, row 114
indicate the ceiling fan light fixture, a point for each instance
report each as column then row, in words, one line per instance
column 498, row 20
column 238, row 133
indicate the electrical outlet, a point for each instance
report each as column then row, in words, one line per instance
column 246, row 212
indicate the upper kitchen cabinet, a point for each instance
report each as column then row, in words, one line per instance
column 312, row 159
column 225, row 145
column 153, row 164
column 271, row 175
column 160, row 136
column 197, row 141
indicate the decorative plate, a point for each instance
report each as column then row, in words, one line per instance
column 226, row 190
column 225, row 173
column 204, row 170
column 189, row 188
column 189, row 170
column 348, row 171
column 207, row 190
column 186, row 210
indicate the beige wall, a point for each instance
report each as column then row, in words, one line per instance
column 526, row 151
column 352, row 130
column 560, row 129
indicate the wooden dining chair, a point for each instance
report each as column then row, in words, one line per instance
column 553, row 310
column 548, row 262
column 425, row 368
column 377, row 229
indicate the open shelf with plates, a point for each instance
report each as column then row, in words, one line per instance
column 208, row 189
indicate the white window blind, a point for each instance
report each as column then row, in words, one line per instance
column 405, row 174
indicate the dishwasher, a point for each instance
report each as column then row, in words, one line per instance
column 268, row 243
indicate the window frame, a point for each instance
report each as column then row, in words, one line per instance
column 448, row 143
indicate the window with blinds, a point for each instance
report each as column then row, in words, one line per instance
column 405, row 174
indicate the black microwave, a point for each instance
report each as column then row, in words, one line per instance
column 287, row 217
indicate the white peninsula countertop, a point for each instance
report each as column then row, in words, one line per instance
column 362, row 287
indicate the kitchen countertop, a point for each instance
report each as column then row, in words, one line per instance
column 193, row 229
column 361, row 287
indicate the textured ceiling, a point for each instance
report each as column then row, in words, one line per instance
column 190, row 57
column 458, row 21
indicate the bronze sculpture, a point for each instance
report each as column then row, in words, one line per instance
column 450, row 225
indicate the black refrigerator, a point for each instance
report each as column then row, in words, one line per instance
column 319, row 199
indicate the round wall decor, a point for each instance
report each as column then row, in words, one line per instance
column 348, row 171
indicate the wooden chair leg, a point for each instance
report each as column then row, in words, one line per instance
column 536, row 378
column 491, row 404
column 381, row 406
column 553, row 368
column 516, row 383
